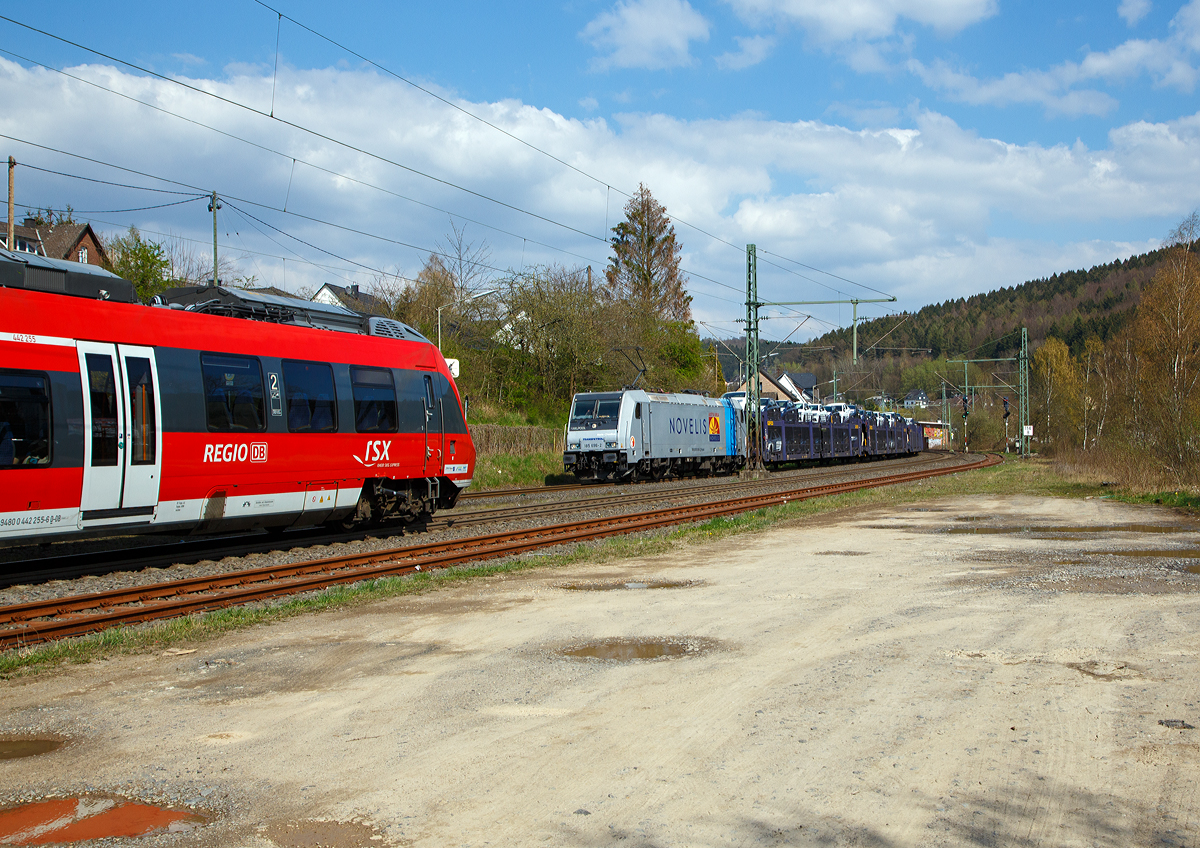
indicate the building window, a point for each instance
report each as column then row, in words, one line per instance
column 83, row 255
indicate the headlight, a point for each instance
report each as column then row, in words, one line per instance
column 610, row 444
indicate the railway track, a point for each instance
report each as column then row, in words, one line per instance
column 189, row 551
column 23, row 624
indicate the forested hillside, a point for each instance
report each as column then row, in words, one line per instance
column 1070, row 306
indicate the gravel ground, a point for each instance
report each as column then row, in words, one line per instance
column 994, row 671
column 673, row 493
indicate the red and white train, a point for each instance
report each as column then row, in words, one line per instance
column 212, row 410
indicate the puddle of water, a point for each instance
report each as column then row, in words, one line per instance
column 1177, row 553
column 843, row 553
column 89, row 817
column 15, row 749
column 626, row 650
column 628, row 584
column 1111, row 528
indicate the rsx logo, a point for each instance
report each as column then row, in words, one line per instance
column 376, row 452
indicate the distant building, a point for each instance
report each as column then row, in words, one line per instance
column 916, row 398
column 772, row 388
column 352, row 298
column 70, row 241
column 800, row 386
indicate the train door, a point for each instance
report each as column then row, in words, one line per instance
column 433, row 430
column 638, row 429
column 122, row 440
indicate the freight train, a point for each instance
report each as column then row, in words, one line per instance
column 212, row 410
column 634, row 434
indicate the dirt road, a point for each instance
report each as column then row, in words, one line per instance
column 926, row 675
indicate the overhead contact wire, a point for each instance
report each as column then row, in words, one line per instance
column 304, row 129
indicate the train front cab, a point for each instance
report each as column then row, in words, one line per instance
column 594, row 437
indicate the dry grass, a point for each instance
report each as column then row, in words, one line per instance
column 1136, row 475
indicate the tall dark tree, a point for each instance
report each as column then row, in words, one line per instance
column 644, row 270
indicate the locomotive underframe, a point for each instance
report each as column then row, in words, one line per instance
column 601, row 466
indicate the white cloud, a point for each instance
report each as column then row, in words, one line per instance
column 905, row 210
column 751, row 50
column 1133, row 10
column 865, row 19
column 651, row 34
column 590, row 104
column 1168, row 62
column 1049, row 89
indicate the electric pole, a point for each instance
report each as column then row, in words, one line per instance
column 753, row 437
column 213, row 206
column 1023, row 382
column 12, row 223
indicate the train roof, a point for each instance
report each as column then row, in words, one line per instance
column 19, row 270
column 262, row 306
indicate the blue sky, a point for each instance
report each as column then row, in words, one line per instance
column 927, row 148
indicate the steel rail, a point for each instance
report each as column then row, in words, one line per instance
column 187, row 551
column 26, row 623
column 627, row 496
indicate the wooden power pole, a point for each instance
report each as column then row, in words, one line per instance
column 12, row 223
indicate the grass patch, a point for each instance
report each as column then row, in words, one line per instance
column 507, row 471
column 1013, row 477
column 1181, row 499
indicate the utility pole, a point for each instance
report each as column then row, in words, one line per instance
column 1023, row 382
column 213, row 206
column 12, row 223
column 753, row 437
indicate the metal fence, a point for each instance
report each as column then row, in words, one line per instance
column 495, row 439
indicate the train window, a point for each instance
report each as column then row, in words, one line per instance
column 585, row 408
column 102, row 389
column 143, row 425
column 24, row 419
column 374, row 400
column 311, row 402
column 233, row 393
column 595, row 411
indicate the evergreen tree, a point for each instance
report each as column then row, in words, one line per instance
column 644, row 270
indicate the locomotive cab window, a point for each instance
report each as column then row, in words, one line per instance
column 233, row 393
column 595, row 412
column 24, row 419
column 374, row 400
column 311, row 402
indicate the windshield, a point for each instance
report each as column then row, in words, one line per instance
column 595, row 412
